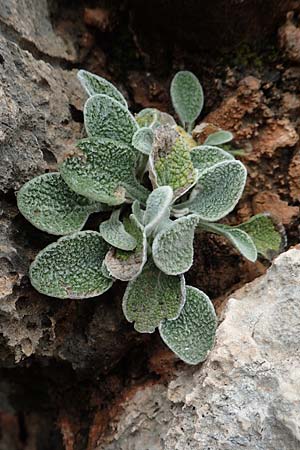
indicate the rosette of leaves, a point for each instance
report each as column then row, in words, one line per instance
column 156, row 187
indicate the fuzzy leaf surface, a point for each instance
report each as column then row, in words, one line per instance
column 147, row 117
column 191, row 336
column 170, row 162
column 219, row 138
column 143, row 140
column 172, row 248
column 71, row 267
column 218, row 190
column 93, row 84
column 239, row 238
column 106, row 118
column 206, row 156
column 268, row 237
column 157, row 207
column 187, row 96
column 47, row 202
column 138, row 212
column 102, row 170
column 152, row 297
column 127, row 265
column 114, row 233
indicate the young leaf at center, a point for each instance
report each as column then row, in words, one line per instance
column 170, row 162
column 71, row 267
column 157, row 207
column 152, row 297
column 191, row 336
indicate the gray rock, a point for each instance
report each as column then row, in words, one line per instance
column 28, row 22
column 247, row 394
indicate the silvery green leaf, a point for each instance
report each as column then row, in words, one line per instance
column 269, row 237
column 206, row 156
column 172, row 248
column 71, row 267
column 143, row 140
column 187, row 137
column 113, row 232
column 191, row 336
column 47, row 202
column 102, row 170
column 138, row 212
column 127, row 265
column 218, row 190
column 219, row 138
column 147, row 117
column 106, row 118
column 170, row 162
column 93, row 84
column 187, row 96
column 152, row 297
column 239, row 238
column 165, row 119
column 157, row 207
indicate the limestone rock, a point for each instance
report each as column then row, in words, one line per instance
column 247, row 394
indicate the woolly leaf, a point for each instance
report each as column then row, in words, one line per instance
column 71, row 267
column 172, row 248
column 187, row 96
column 218, row 190
column 113, row 232
column 239, row 238
column 143, row 140
column 126, row 265
column 219, row 138
column 152, row 118
column 152, row 297
column 93, row 84
column 186, row 136
column 170, row 162
column 191, row 336
column 105, row 117
column 268, row 237
column 48, row 203
column 101, row 171
column 147, row 117
column 206, row 156
column 157, row 207
column 138, row 212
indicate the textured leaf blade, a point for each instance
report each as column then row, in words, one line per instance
column 71, row 267
column 206, row 156
column 187, row 96
column 47, row 202
column 101, row 171
column 143, row 140
column 126, row 265
column 138, row 212
column 191, row 336
column 147, row 117
column 170, row 162
column 114, row 233
column 152, row 297
column 268, row 237
column 93, row 84
column 219, row 138
column 106, row 118
column 157, row 207
column 172, row 248
column 218, row 190
column 239, row 238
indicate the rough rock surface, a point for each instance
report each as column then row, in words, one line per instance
column 246, row 395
